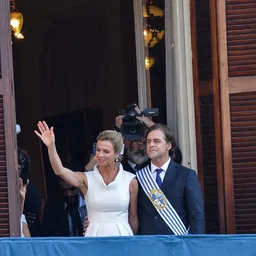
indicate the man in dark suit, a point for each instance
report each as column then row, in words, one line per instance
column 179, row 185
column 62, row 214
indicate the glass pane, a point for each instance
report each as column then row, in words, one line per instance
column 154, row 45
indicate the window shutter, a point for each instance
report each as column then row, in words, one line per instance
column 241, row 37
column 4, row 207
column 243, row 137
column 237, row 62
column 9, row 203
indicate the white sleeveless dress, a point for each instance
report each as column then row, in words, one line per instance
column 108, row 205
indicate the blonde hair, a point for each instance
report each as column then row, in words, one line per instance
column 114, row 137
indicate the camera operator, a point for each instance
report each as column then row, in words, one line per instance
column 136, row 157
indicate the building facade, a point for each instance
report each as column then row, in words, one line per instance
column 207, row 88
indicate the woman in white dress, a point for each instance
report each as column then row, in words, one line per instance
column 110, row 192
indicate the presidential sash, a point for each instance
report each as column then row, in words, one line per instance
column 160, row 202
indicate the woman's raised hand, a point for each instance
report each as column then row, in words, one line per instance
column 45, row 134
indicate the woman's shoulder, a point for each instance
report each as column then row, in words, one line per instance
column 92, row 172
column 88, row 173
column 128, row 176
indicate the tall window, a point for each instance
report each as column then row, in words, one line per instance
column 151, row 54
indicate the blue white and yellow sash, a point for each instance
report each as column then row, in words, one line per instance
column 160, row 202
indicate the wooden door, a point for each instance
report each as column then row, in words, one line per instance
column 207, row 111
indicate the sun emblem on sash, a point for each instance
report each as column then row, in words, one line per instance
column 158, row 199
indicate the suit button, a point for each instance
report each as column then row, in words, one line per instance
column 155, row 217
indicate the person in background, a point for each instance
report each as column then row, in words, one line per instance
column 62, row 216
column 32, row 202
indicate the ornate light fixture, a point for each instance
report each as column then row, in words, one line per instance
column 16, row 24
column 152, row 11
column 16, row 21
column 152, row 36
column 149, row 62
column 153, row 30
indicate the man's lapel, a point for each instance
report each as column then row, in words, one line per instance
column 169, row 176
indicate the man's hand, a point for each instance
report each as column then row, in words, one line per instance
column 91, row 164
column 119, row 121
column 146, row 120
column 23, row 190
column 86, row 224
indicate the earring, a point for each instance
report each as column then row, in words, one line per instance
column 116, row 160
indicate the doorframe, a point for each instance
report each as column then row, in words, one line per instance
column 183, row 75
column 140, row 54
column 179, row 74
column 7, row 91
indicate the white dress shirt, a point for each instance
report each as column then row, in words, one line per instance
column 164, row 168
column 22, row 220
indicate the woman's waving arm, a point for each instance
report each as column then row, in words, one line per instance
column 48, row 138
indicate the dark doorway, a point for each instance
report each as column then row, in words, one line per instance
column 77, row 58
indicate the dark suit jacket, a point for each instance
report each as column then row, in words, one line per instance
column 55, row 221
column 182, row 188
column 32, row 205
column 127, row 167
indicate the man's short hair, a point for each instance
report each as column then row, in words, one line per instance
column 169, row 138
